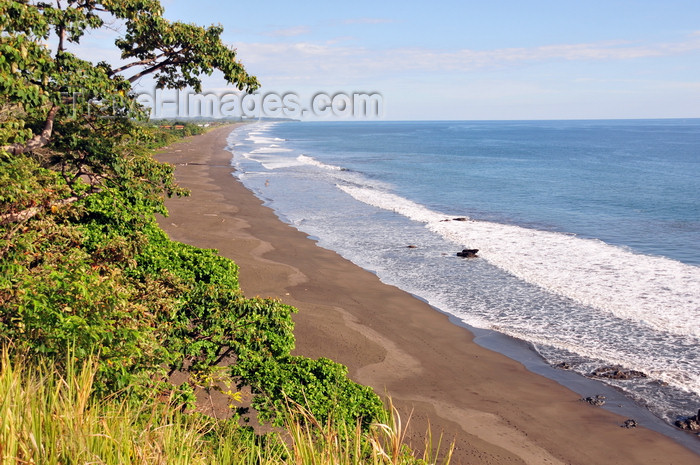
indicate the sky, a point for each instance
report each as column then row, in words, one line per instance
column 471, row 60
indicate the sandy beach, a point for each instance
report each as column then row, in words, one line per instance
column 497, row 411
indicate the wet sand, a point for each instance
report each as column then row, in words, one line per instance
column 497, row 411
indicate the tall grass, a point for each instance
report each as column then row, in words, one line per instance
column 384, row 444
column 51, row 418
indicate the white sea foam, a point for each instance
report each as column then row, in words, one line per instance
column 271, row 149
column 277, row 164
column 313, row 162
column 392, row 202
column 260, row 135
column 658, row 292
column 257, row 138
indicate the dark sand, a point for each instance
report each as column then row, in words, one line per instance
column 497, row 411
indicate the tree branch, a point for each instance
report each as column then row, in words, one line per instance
column 152, row 69
column 136, row 63
column 24, row 215
column 60, row 31
column 37, row 141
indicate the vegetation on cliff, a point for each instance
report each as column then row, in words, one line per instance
column 85, row 268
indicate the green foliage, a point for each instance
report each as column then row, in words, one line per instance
column 24, row 184
column 101, row 278
column 167, row 132
column 321, row 385
column 39, row 89
column 197, row 51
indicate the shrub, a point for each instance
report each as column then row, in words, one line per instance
column 322, row 386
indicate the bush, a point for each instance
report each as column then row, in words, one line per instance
column 98, row 277
column 322, row 386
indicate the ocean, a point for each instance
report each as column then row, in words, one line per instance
column 588, row 231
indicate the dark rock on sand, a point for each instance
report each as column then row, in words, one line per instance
column 467, row 253
column 630, row 424
column 616, row 372
column 596, row 400
column 689, row 423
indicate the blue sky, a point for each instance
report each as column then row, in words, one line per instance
column 470, row 59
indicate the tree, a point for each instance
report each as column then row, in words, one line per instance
column 38, row 89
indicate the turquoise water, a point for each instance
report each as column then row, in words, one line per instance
column 588, row 231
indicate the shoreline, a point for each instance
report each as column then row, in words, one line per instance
column 617, row 401
column 500, row 411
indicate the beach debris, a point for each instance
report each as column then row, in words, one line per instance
column 689, row 423
column 630, row 423
column 467, row 253
column 598, row 400
column 616, row 372
column 461, row 218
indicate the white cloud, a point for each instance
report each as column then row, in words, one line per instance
column 308, row 59
column 466, row 60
